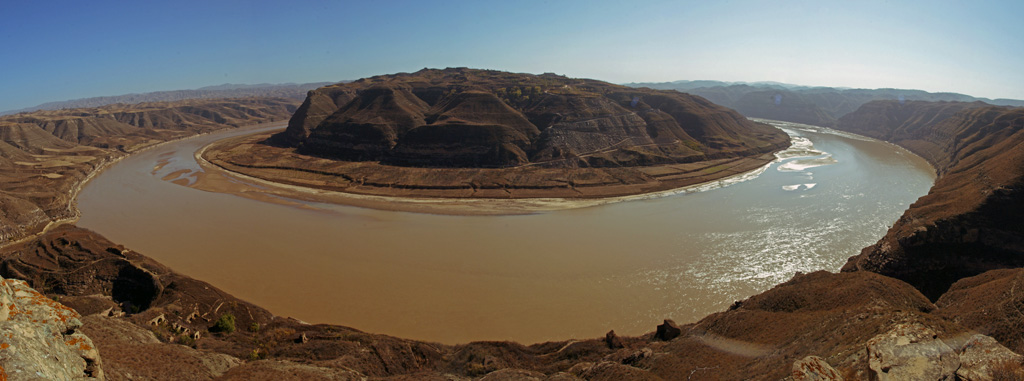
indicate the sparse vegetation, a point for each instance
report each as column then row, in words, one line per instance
column 257, row 354
column 226, row 324
column 186, row 340
column 1007, row 371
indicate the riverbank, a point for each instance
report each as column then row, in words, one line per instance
column 73, row 213
column 528, row 278
column 459, row 191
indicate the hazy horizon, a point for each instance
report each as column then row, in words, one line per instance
column 72, row 50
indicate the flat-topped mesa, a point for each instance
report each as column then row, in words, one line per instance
column 480, row 118
column 969, row 222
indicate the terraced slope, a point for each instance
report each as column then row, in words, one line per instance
column 969, row 222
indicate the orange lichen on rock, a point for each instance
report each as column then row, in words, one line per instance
column 80, row 342
column 60, row 312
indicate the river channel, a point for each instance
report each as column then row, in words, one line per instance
column 554, row 275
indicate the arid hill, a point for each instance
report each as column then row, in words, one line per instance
column 149, row 322
column 491, row 134
column 227, row 90
column 479, row 118
column 45, row 155
column 819, row 106
column 107, row 126
column 970, row 221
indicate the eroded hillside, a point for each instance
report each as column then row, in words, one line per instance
column 491, row 134
column 46, row 155
column 969, row 222
column 479, row 118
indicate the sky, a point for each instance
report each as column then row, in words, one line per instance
column 60, row 50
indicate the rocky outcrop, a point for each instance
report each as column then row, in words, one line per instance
column 915, row 352
column 812, row 314
column 479, row 118
column 41, row 339
column 911, row 351
column 612, row 340
column 318, row 105
column 983, row 358
column 668, row 330
column 969, row 222
column 814, row 368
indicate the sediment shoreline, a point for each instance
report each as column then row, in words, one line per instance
column 454, row 201
column 72, row 207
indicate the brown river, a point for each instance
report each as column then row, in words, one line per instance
column 552, row 275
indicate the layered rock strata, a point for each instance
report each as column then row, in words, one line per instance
column 479, row 118
column 969, row 222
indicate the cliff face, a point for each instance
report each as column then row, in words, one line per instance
column 478, row 118
column 319, row 104
column 970, row 220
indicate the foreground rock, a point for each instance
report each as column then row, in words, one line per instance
column 41, row 339
column 911, row 352
column 970, row 221
column 820, row 314
column 982, row 358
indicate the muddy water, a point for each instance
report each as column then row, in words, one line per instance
column 555, row 275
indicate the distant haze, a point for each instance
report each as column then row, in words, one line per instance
column 227, row 90
column 66, row 50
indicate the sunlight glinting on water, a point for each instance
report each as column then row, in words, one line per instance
column 622, row 265
column 733, row 265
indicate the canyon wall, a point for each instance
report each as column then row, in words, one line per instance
column 969, row 222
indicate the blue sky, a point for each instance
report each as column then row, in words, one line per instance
column 59, row 50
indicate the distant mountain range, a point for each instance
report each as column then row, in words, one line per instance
column 227, row 90
column 821, row 106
